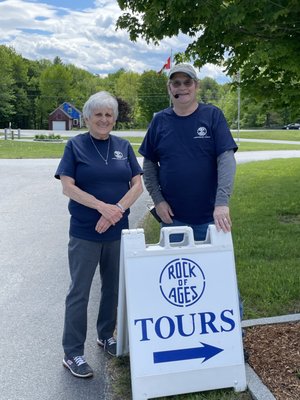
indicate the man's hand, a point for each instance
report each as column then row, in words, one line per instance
column 222, row 218
column 165, row 212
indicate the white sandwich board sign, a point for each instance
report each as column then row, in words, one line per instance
column 178, row 314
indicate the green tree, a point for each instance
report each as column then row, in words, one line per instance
column 124, row 112
column 35, row 69
column 260, row 38
column 83, row 85
column 57, row 61
column 55, row 87
column 209, row 90
column 109, row 83
column 126, row 86
column 21, row 101
column 229, row 107
column 152, row 94
column 6, row 87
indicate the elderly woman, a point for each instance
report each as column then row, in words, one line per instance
column 101, row 175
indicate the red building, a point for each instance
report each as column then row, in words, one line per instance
column 65, row 117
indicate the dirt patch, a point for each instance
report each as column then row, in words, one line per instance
column 274, row 354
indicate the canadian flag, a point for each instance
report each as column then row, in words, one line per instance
column 167, row 65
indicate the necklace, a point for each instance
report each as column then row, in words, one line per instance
column 96, row 148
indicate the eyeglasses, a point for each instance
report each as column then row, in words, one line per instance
column 177, row 83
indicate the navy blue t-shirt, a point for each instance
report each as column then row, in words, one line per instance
column 186, row 148
column 107, row 183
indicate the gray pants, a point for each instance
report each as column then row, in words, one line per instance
column 84, row 257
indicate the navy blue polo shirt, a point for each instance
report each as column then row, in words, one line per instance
column 108, row 183
column 186, row 148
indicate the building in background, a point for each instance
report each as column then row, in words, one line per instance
column 65, row 117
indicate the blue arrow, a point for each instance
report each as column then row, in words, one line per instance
column 206, row 352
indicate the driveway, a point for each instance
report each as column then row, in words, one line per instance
column 34, row 281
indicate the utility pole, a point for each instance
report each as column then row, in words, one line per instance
column 238, row 103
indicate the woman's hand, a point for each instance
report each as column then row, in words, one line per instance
column 111, row 213
column 102, row 225
column 222, row 218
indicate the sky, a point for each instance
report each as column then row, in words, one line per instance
column 83, row 33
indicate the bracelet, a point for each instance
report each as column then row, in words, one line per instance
column 120, row 207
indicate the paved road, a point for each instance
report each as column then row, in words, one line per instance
column 33, row 285
column 34, row 280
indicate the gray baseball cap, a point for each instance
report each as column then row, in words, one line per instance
column 187, row 69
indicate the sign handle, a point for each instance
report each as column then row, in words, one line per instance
column 188, row 236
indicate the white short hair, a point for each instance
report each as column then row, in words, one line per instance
column 100, row 100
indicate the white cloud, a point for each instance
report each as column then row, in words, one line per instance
column 17, row 14
column 86, row 38
column 213, row 71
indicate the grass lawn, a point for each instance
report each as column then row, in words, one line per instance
column 282, row 134
column 252, row 146
column 265, row 209
column 30, row 149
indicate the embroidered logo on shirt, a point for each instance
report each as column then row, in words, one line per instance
column 202, row 133
column 118, row 155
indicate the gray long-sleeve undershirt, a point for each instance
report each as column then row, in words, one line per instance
column 226, row 171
